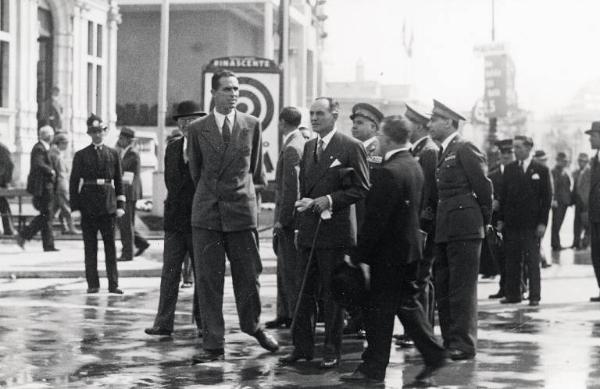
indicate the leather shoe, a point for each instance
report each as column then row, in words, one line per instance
column 595, row 299
column 266, row 341
column 20, row 241
column 93, row 290
column 498, row 295
column 209, row 356
column 279, row 323
column 157, row 331
column 141, row 249
column 358, row 376
column 534, row 303
column 405, row 342
column 329, row 362
column 186, row 285
column 115, row 291
column 429, row 370
column 293, row 357
column 124, row 259
column 51, row 249
column 458, row 355
column 506, row 300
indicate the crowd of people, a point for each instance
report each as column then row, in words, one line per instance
column 406, row 203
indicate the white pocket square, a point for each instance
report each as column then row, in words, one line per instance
column 335, row 163
column 535, row 176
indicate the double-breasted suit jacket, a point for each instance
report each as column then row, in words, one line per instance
column 341, row 172
column 464, row 192
column 225, row 177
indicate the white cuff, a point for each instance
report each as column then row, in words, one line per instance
column 330, row 202
column 121, row 198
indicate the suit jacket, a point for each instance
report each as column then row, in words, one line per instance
column 562, row 187
column 525, row 197
column 497, row 178
column 426, row 153
column 464, row 191
column 287, row 179
column 346, row 183
column 95, row 200
column 131, row 163
column 40, row 181
column 180, row 189
column 225, row 177
column 62, row 170
column 6, row 166
column 581, row 187
column 594, row 197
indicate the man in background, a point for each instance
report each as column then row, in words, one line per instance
column 6, row 172
column 594, row 203
column 562, row 198
column 61, row 192
column 580, row 194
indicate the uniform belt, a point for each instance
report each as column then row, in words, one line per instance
column 98, row 181
column 454, row 196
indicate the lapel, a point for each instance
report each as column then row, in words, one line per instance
column 317, row 169
column 211, row 133
column 418, row 147
column 447, row 150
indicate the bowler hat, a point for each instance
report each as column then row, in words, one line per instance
column 348, row 286
column 188, row 108
column 594, row 128
column 127, row 132
column 367, row 111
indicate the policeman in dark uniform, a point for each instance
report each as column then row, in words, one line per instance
column 464, row 210
column 96, row 191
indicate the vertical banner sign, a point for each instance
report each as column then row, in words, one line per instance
column 259, row 80
column 495, row 72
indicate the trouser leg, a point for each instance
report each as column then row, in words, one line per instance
column 89, row 229
column 107, row 230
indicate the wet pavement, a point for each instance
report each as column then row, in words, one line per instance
column 53, row 335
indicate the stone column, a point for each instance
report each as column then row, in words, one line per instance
column 114, row 19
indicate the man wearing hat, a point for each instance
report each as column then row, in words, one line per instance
column 594, row 203
column 464, row 210
column 525, row 199
column 177, row 222
column 40, row 183
column 132, row 187
column 61, row 193
column 97, row 170
column 581, row 189
column 561, row 198
column 495, row 252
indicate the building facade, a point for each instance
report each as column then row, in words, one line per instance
column 61, row 47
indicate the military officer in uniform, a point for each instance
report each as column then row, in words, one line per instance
column 96, row 191
column 594, row 204
column 464, row 210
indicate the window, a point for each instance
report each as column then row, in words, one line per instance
column 95, row 73
column 4, row 26
column 5, row 42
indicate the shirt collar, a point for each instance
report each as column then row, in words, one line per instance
column 415, row 144
column 220, row 119
column 527, row 162
column 327, row 138
column 288, row 136
column 97, row 144
column 390, row 153
column 449, row 139
column 46, row 144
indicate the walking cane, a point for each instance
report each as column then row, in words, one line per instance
column 310, row 258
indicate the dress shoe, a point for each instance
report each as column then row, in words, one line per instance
column 186, row 285
column 115, row 291
column 292, row 358
column 51, row 249
column 140, row 250
column 546, row 265
column 266, row 341
column 329, row 362
column 405, row 342
column 157, row 331
column 124, row 259
column 20, row 241
column 429, row 370
column 458, row 355
column 209, row 356
column 595, row 299
column 93, row 290
column 534, row 303
column 498, row 295
column 358, row 376
column 506, row 300
column 279, row 323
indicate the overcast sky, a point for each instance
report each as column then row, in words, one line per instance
column 554, row 45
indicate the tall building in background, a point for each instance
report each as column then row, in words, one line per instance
column 67, row 44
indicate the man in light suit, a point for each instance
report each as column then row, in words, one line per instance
column 525, row 199
column 333, row 176
column 464, row 210
column 225, row 158
column 594, row 204
column 40, row 183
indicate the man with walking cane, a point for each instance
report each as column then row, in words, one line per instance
column 327, row 163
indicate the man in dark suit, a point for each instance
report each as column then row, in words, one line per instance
column 132, row 187
column 496, row 252
column 287, row 191
column 390, row 242
column 225, row 158
column 594, row 203
column 333, row 176
column 177, row 222
column 562, row 198
column 464, row 210
column 579, row 194
column 40, row 183
column 96, row 191
column 6, row 172
column 525, row 199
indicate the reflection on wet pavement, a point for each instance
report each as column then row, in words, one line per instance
column 53, row 335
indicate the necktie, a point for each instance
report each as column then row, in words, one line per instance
column 185, row 155
column 98, row 149
column 319, row 150
column 226, row 131
column 441, row 152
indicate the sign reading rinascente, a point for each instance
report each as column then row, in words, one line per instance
column 254, row 63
